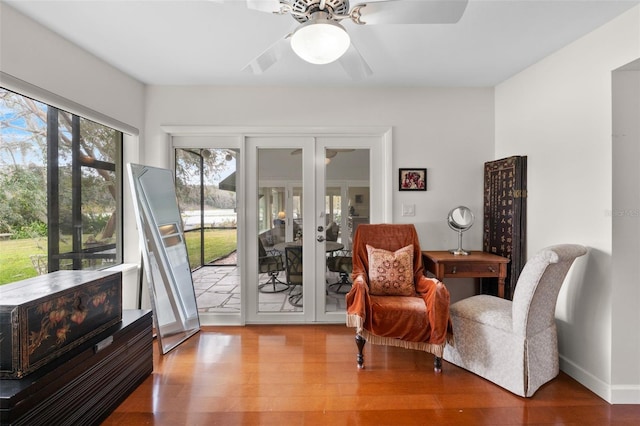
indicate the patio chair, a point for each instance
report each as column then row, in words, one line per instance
column 270, row 263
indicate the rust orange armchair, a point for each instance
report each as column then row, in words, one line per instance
column 391, row 302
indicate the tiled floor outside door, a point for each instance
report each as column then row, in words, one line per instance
column 218, row 291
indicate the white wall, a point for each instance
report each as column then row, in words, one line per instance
column 625, row 362
column 448, row 131
column 558, row 113
column 39, row 57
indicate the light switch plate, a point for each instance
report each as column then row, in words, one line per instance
column 408, row 210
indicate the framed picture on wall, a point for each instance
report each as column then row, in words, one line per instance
column 413, row 180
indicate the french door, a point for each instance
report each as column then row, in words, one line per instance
column 305, row 196
column 292, row 187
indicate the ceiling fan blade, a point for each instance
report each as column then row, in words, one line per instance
column 354, row 64
column 266, row 59
column 412, row 12
column 270, row 6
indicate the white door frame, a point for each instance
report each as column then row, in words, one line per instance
column 377, row 189
column 183, row 137
column 250, row 298
column 381, row 184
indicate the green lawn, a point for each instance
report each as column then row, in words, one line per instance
column 217, row 243
column 15, row 263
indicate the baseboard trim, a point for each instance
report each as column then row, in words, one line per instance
column 625, row 394
column 591, row 382
column 613, row 394
column 214, row 319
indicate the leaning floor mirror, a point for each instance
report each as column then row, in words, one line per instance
column 164, row 254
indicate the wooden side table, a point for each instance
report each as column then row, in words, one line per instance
column 477, row 264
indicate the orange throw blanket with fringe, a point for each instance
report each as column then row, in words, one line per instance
column 418, row 322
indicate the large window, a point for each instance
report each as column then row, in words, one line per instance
column 61, row 180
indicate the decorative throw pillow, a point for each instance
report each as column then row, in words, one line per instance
column 391, row 273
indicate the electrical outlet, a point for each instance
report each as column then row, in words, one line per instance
column 408, row 210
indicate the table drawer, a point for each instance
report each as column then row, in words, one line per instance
column 487, row 269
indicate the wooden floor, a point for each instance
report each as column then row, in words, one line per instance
column 307, row 375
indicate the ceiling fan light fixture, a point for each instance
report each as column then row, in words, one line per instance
column 320, row 41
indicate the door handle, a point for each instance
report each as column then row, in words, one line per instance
column 320, row 238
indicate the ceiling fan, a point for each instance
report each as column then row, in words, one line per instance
column 320, row 38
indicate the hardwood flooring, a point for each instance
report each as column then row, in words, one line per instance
column 307, row 375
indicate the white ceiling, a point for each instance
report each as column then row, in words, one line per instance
column 208, row 42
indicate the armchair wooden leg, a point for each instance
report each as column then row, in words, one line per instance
column 360, row 341
column 437, row 365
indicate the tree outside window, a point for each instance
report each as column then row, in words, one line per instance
column 61, row 175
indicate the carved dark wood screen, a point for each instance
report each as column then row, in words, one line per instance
column 505, row 218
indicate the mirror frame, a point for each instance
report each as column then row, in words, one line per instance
column 460, row 228
column 164, row 255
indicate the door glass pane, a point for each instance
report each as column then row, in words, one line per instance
column 206, row 191
column 205, row 183
column 358, row 208
column 346, row 204
column 188, row 190
column 296, row 229
column 333, row 216
column 279, row 231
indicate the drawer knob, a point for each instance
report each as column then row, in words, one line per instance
column 453, row 271
column 492, row 270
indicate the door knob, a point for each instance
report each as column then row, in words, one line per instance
column 320, row 238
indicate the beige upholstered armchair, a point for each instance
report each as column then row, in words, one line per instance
column 514, row 344
column 391, row 302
